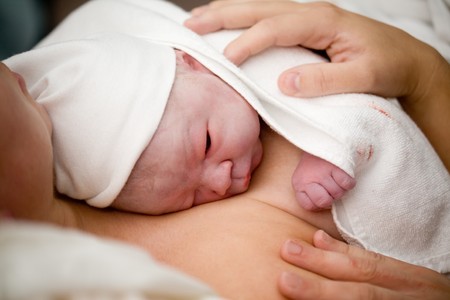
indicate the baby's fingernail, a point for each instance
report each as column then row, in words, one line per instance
column 291, row 82
column 293, row 248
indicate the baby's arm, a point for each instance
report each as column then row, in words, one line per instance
column 318, row 183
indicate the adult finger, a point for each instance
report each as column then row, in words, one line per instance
column 279, row 30
column 320, row 79
column 356, row 273
column 242, row 14
column 372, row 268
column 216, row 4
column 293, row 286
column 232, row 16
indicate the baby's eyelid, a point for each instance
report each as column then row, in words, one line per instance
column 208, row 142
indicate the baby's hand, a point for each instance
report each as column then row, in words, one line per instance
column 318, row 183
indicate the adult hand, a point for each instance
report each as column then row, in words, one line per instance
column 357, row 46
column 366, row 56
column 354, row 273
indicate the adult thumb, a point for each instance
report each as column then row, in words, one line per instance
column 321, row 79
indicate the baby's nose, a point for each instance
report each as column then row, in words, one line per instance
column 217, row 177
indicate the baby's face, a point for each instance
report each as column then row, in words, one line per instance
column 205, row 149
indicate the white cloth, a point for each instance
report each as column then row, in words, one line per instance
column 105, row 95
column 400, row 206
column 45, row 262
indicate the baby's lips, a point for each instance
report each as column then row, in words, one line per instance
column 247, row 179
column 241, row 184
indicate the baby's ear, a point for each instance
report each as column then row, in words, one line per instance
column 192, row 63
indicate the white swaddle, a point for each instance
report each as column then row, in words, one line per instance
column 400, row 206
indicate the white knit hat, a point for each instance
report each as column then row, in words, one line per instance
column 105, row 95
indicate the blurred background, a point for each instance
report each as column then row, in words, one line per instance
column 24, row 22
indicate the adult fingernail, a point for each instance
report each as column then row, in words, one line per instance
column 233, row 57
column 291, row 281
column 324, row 236
column 293, row 248
column 291, row 82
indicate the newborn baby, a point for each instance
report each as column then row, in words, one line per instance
column 203, row 147
column 206, row 148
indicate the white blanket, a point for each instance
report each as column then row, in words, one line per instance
column 45, row 262
column 400, row 206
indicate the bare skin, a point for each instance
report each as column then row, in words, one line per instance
column 223, row 235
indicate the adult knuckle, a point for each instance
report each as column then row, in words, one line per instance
column 323, row 81
column 371, row 74
column 367, row 292
column 328, row 10
column 269, row 26
column 367, row 267
column 326, row 5
column 217, row 4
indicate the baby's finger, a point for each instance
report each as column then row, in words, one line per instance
column 319, row 195
column 345, row 181
column 305, row 201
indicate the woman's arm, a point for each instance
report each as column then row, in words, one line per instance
column 429, row 104
column 366, row 56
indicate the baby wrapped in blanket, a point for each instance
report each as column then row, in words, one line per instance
column 401, row 182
